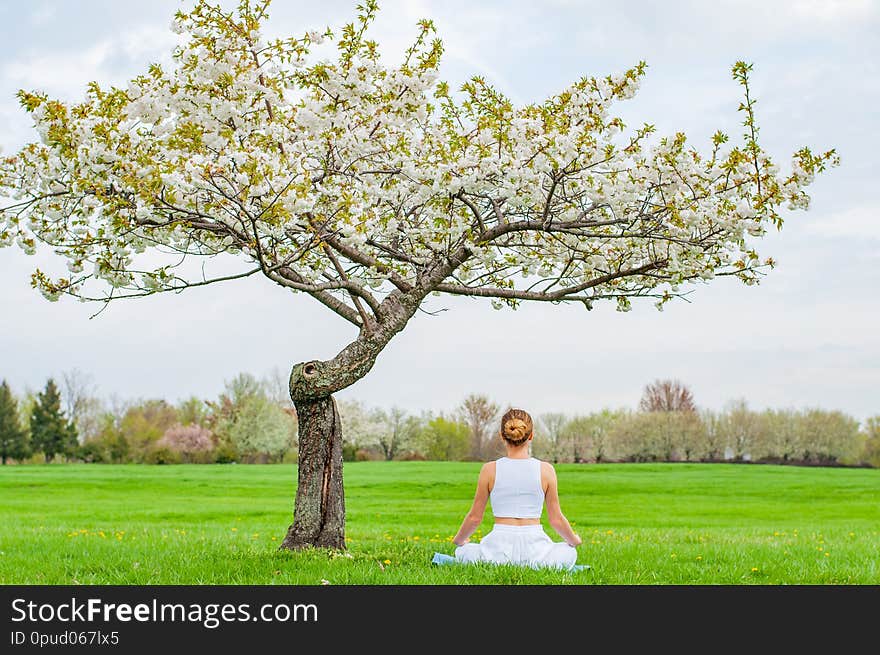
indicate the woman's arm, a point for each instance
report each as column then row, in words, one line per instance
column 555, row 516
column 475, row 516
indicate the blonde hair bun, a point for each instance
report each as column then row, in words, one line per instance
column 516, row 427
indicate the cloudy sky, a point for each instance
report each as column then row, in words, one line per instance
column 806, row 337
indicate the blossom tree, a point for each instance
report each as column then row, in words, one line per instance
column 369, row 186
column 190, row 441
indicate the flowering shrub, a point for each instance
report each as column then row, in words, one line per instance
column 192, row 442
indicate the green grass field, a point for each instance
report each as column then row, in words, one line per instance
column 641, row 524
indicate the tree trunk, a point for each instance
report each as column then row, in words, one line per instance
column 319, row 510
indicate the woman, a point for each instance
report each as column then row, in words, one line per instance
column 518, row 486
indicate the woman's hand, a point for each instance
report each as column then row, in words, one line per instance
column 578, row 541
column 462, row 543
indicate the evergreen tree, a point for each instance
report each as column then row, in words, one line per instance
column 51, row 432
column 13, row 438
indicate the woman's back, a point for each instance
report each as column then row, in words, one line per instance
column 519, row 488
column 517, row 491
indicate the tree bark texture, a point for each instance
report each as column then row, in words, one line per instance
column 319, row 511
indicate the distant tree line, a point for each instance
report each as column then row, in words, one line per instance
column 253, row 420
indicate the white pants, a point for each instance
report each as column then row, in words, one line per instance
column 519, row 544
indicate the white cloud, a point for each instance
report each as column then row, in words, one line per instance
column 834, row 10
column 60, row 72
column 66, row 73
column 862, row 222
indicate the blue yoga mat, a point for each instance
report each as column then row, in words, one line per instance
column 442, row 559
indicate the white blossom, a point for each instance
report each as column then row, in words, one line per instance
column 274, row 159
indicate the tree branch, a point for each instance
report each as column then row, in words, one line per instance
column 356, row 295
column 364, row 259
column 526, row 225
column 287, row 277
column 474, row 210
column 543, row 296
column 547, row 218
column 176, row 289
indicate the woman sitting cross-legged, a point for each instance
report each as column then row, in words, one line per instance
column 519, row 487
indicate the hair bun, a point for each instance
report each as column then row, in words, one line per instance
column 516, row 429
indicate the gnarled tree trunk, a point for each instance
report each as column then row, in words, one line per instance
column 319, row 510
column 319, row 518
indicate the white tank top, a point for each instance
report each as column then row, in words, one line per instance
column 517, row 492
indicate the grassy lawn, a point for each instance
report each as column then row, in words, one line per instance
column 641, row 524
